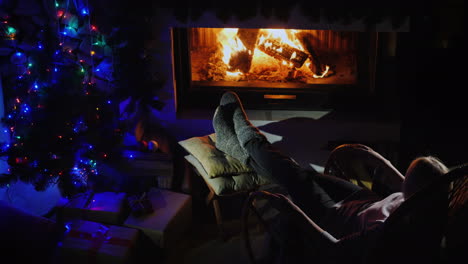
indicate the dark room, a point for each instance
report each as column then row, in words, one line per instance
column 235, row 132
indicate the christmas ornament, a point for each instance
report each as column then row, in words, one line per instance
column 143, row 145
column 153, row 145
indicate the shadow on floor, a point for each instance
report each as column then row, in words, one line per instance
column 204, row 244
column 209, row 248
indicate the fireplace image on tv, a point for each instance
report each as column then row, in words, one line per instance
column 272, row 68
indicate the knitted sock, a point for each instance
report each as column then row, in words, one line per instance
column 226, row 138
column 244, row 130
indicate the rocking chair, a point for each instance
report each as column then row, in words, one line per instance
column 428, row 227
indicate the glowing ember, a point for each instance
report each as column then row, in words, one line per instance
column 323, row 74
column 233, row 74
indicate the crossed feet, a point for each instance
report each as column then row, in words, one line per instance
column 233, row 128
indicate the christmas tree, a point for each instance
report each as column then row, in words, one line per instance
column 58, row 79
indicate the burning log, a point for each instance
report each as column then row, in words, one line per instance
column 306, row 40
column 242, row 60
column 282, row 51
column 248, row 37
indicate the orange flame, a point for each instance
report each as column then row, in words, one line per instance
column 231, row 44
column 287, row 37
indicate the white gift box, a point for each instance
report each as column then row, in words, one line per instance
column 170, row 219
column 91, row 242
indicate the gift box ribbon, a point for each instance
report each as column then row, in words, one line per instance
column 140, row 204
column 98, row 239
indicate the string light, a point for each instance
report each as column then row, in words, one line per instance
column 11, row 30
column 37, row 87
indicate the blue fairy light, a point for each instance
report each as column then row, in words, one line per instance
column 19, row 58
column 26, row 78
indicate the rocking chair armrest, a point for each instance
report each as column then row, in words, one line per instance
column 311, row 227
column 352, row 161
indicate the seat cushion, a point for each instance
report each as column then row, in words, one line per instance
column 228, row 184
column 214, row 162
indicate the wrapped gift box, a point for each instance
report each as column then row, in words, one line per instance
column 170, row 219
column 92, row 242
column 104, row 207
column 156, row 165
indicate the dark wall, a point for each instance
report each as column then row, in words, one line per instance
column 431, row 86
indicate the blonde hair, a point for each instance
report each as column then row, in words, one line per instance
column 420, row 172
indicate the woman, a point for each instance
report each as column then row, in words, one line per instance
column 338, row 206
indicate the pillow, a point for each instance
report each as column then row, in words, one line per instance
column 228, row 184
column 215, row 162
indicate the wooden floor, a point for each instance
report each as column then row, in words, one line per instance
column 204, row 245
column 201, row 244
